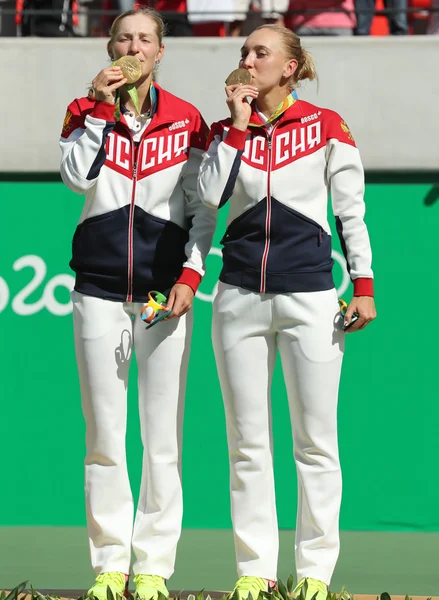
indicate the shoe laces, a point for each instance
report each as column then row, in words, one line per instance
column 149, row 580
column 111, row 576
column 254, row 585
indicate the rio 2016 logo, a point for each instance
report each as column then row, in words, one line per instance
column 47, row 299
column 49, row 302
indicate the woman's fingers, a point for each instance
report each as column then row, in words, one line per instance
column 233, row 91
column 117, row 85
column 107, row 77
column 364, row 306
column 107, row 82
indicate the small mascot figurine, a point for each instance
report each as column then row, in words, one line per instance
column 155, row 309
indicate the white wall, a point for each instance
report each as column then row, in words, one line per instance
column 387, row 89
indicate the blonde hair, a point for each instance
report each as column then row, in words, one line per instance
column 293, row 48
column 159, row 24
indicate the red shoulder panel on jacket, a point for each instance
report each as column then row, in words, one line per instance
column 200, row 134
column 338, row 128
column 75, row 115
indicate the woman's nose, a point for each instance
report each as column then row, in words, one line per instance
column 134, row 46
column 247, row 61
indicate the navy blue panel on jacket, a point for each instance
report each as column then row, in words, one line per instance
column 101, row 155
column 158, row 254
column 100, row 255
column 298, row 254
column 230, row 185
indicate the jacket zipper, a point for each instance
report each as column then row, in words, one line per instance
column 268, row 216
column 135, row 152
column 134, row 156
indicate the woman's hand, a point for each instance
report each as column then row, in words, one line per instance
column 180, row 300
column 238, row 104
column 365, row 307
column 107, row 82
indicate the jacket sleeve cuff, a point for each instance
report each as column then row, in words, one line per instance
column 190, row 277
column 103, row 110
column 363, row 286
column 236, row 138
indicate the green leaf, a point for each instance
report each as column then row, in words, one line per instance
column 303, row 590
column 385, row 596
column 344, row 595
column 290, row 583
column 200, row 595
column 234, row 596
column 13, row 594
column 282, row 589
column 110, row 595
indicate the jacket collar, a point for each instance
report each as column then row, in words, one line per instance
column 164, row 110
column 291, row 113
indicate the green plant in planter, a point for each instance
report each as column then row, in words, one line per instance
column 284, row 592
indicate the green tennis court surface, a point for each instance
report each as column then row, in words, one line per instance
column 370, row 562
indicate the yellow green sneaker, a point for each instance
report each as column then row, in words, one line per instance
column 148, row 587
column 117, row 582
column 310, row 589
column 248, row 587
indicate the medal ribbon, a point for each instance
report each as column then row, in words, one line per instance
column 283, row 106
column 132, row 92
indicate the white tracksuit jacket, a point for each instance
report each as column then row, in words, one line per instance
column 278, row 238
column 143, row 225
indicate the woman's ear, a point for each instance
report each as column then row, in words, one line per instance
column 110, row 54
column 160, row 53
column 291, row 68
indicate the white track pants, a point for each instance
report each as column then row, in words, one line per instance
column 248, row 329
column 105, row 334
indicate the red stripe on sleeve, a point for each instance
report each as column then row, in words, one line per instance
column 190, row 277
column 363, row 286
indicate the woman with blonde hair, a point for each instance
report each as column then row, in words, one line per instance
column 274, row 161
column 134, row 150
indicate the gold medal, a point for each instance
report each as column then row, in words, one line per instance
column 239, row 76
column 131, row 68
